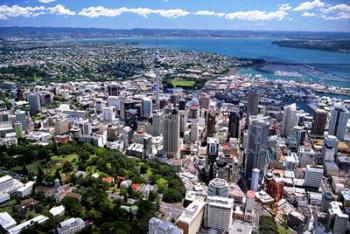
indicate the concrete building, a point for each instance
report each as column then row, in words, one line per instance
column 338, row 122
column 147, row 107
column 6, row 221
column 212, row 152
column 275, row 188
column 313, row 176
column 18, row 130
column 194, row 130
column 71, row 226
column 256, row 151
column 113, row 89
column 158, row 226
column 330, row 148
column 108, row 114
column 61, row 126
column 319, row 122
column 21, row 117
column 218, row 187
column 191, row 218
column 290, row 119
column 336, row 220
column 18, row 229
column 157, row 123
column 25, row 190
column 233, row 124
column 255, row 179
column 34, row 103
column 172, row 134
column 253, row 104
column 218, row 213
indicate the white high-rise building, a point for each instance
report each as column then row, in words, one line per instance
column 34, row 103
column 114, row 101
column 218, row 213
column 172, row 134
column 147, row 108
column 255, row 180
column 339, row 121
column 191, row 218
column 108, row 114
column 290, row 119
column 22, row 118
column 313, row 176
column 256, row 151
column 194, row 130
column 330, row 148
column 158, row 226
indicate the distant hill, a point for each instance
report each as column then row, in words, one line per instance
column 59, row 33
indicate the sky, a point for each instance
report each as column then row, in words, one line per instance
column 275, row 15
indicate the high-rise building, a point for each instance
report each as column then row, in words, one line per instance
column 194, row 130
column 249, row 206
column 255, row 179
column 19, row 130
column 183, row 122
column 218, row 213
column 157, row 123
column 108, row 114
column 256, row 151
column 253, row 104
column 204, row 101
column 171, row 135
column 296, row 137
column 34, row 103
column 158, row 226
column 330, row 148
column 61, row 126
column 338, row 122
column 113, row 89
column 4, row 117
column 290, row 119
column 147, row 108
column 211, row 123
column 213, row 152
column 233, row 124
column 147, row 146
column 22, row 118
column 313, row 176
column 218, row 187
column 191, row 218
column 319, row 122
column 275, row 188
column 157, row 73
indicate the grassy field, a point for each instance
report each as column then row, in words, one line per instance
column 183, row 83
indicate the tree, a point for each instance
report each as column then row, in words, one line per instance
column 40, row 176
column 67, row 167
column 172, row 196
column 162, row 185
column 73, row 207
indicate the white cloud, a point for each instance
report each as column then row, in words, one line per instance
column 98, row 11
column 309, row 5
column 308, row 14
column 46, row 1
column 285, row 7
column 60, row 10
column 7, row 12
column 210, row 13
column 257, row 15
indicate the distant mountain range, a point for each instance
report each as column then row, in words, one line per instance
column 60, row 33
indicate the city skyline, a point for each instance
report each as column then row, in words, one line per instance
column 275, row 15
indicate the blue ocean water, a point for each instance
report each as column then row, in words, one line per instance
column 328, row 64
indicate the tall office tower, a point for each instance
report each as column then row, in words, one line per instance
column 86, row 128
column 182, row 104
column 171, row 136
column 313, row 176
column 253, row 103
column 147, row 146
column 191, row 218
column 158, row 226
column 275, row 188
column 338, row 122
column 256, row 151
column 34, row 103
column 296, row 137
column 4, row 116
column 22, row 118
column 114, row 101
column 125, row 105
column 211, row 123
column 255, row 179
column 157, row 73
column 61, row 126
column 157, row 123
column 174, row 99
column 218, row 187
column 194, row 112
column 290, row 119
column 18, row 130
column 213, row 152
column 233, row 125
column 147, row 108
column 183, row 122
column 330, row 148
column 204, row 101
column 194, row 130
column 249, row 206
column 218, row 213
column 319, row 123
column 108, row 114
column 113, row 89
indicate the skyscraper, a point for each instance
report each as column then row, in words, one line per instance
column 147, row 108
column 34, row 103
column 319, row 123
column 213, row 152
column 183, row 122
column 256, row 152
column 113, row 89
column 211, row 123
column 108, row 114
column 253, row 103
column 338, row 122
column 290, row 119
column 218, row 213
column 157, row 72
column 22, row 118
column 171, row 135
column 330, row 148
column 233, row 125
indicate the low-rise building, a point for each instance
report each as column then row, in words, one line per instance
column 71, row 226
